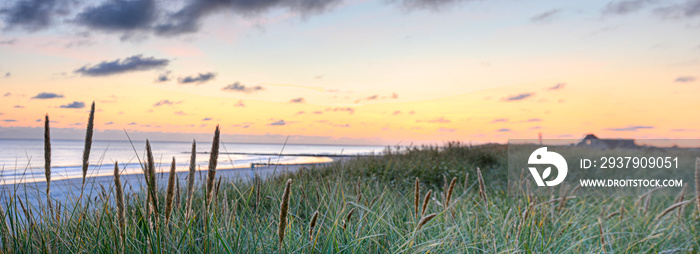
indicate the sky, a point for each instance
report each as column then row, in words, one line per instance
column 351, row 71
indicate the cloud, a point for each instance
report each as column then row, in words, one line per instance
column 394, row 95
column 297, row 100
column 373, row 97
column 189, row 17
column 75, row 104
column 518, row 97
column 47, row 96
column 119, row 15
column 534, row 120
column 237, row 87
column 626, row 7
column 31, row 15
column 556, row 87
column 7, row 74
column 166, row 102
column 18, row 106
column 503, row 130
column 545, row 16
column 349, row 110
column 396, row 112
column 130, row 64
column 9, row 120
column 199, row 78
column 689, row 9
column 180, row 113
column 239, row 104
column 437, row 120
column 110, row 123
column 446, row 130
column 7, row 94
column 630, row 128
column 207, row 119
column 434, row 5
column 685, row 79
column 163, row 77
column 683, row 130
column 277, row 123
column 500, row 120
column 8, row 42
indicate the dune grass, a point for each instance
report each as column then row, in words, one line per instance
column 359, row 205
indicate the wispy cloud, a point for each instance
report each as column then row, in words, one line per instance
column 239, row 104
column 297, row 100
column 119, row 66
column 75, row 104
column 500, row 120
column 8, row 42
column 166, row 102
column 631, row 128
column 626, row 6
column 9, row 120
column 503, row 130
column 277, row 123
column 199, row 78
column 348, row 109
column 43, row 96
column 238, row 87
column 436, row 120
column 18, row 106
column 207, row 119
column 518, row 97
column 556, row 87
column 545, row 16
column 686, row 79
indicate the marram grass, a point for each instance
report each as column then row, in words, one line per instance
column 313, row 210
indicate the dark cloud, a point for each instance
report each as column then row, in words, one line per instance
column 18, row 106
column 47, row 96
column 685, row 79
column 119, row 15
column 373, row 97
column 31, row 15
column 8, row 42
column 626, row 7
column 503, row 130
column 237, row 87
column 280, row 122
column 199, row 78
column 556, row 87
column 130, row 64
column 188, row 19
column 166, row 102
column 7, row 74
column 297, row 100
column 75, row 104
column 545, row 16
column 207, row 119
column 631, row 128
column 110, row 123
column 518, row 97
column 437, row 120
column 689, row 9
column 163, row 77
column 9, row 120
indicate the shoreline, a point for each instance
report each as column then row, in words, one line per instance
column 67, row 191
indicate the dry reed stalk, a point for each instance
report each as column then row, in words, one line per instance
column 671, row 208
column 347, row 219
column 284, row 208
column 602, row 234
column 645, row 197
column 466, row 181
column 416, row 200
column 88, row 141
column 120, row 205
column 176, row 202
column 697, row 183
column 613, row 214
column 482, row 187
column 679, row 198
column 47, row 162
column 211, row 176
column 358, row 190
column 312, row 224
column 151, row 179
column 27, row 214
column 425, row 220
column 426, row 200
column 190, row 181
column 449, row 192
column 170, row 192
column 371, row 202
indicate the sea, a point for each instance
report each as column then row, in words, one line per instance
column 22, row 160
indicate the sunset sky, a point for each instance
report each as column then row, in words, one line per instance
column 351, row 72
